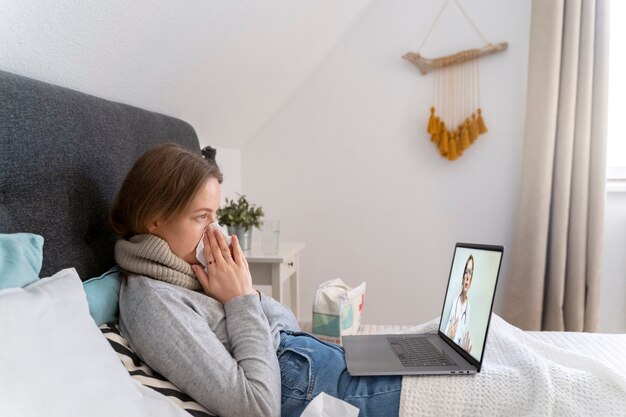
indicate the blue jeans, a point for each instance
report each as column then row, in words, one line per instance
column 309, row 366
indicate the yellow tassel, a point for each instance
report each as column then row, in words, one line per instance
column 431, row 121
column 465, row 139
column 441, row 127
column 457, row 142
column 452, row 155
column 437, row 125
column 443, row 142
column 473, row 128
column 459, row 148
column 482, row 127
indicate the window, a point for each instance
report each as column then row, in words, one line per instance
column 616, row 128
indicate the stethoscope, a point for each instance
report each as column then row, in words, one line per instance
column 464, row 315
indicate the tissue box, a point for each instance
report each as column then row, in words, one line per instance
column 337, row 310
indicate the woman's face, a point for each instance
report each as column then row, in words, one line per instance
column 184, row 232
column 467, row 275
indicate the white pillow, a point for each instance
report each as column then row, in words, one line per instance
column 54, row 361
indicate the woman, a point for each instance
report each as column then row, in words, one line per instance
column 235, row 351
column 457, row 328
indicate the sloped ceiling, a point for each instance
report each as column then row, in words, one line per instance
column 223, row 66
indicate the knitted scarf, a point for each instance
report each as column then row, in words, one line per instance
column 151, row 256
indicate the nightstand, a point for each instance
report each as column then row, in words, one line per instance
column 277, row 270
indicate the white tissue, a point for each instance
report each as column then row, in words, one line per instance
column 200, row 252
column 326, row 406
column 200, row 247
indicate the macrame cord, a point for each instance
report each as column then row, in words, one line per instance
column 456, row 119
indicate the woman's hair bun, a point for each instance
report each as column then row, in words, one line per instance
column 208, row 153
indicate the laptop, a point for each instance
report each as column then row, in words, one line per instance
column 459, row 345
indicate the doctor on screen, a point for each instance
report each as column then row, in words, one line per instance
column 457, row 328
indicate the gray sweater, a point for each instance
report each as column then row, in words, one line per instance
column 224, row 356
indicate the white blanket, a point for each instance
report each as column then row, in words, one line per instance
column 524, row 375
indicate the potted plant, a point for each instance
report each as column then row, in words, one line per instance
column 240, row 216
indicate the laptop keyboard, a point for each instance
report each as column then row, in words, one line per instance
column 418, row 351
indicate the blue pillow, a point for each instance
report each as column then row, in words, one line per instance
column 21, row 255
column 102, row 296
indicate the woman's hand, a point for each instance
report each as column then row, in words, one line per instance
column 228, row 275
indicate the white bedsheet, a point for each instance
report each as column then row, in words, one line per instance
column 528, row 374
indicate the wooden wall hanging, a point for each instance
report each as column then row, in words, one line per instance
column 456, row 118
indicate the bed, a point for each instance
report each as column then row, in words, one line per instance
column 63, row 155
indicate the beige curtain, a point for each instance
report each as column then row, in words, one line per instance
column 557, row 250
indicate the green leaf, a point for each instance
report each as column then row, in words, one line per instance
column 240, row 213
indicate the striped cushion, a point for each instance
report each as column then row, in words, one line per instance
column 146, row 376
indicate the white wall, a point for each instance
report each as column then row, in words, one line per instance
column 612, row 306
column 229, row 161
column 348, row 168
column 223, row 66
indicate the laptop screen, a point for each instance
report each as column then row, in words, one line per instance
column 469, row 297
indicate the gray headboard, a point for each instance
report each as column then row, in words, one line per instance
column 63, row 155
